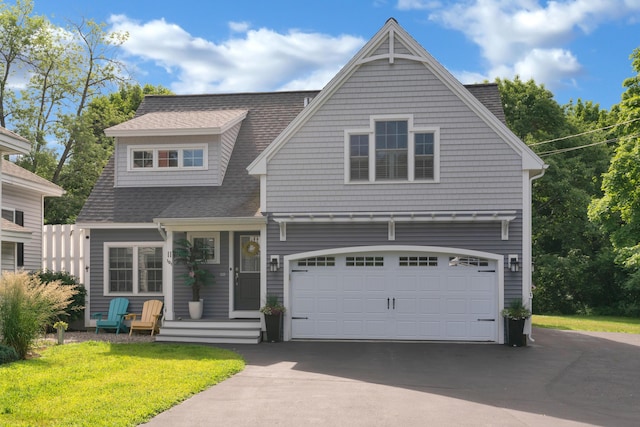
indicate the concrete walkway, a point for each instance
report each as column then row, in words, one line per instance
column 563, row 379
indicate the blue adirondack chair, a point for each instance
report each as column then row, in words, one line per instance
column 115, row 318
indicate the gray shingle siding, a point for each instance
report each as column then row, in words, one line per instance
column 478, row 170
column 216, row 294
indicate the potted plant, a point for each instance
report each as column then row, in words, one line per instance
column 273, row 311
column 516, row 314
column 193, row 257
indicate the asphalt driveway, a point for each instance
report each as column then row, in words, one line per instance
column 563, row 379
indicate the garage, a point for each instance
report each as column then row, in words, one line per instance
column 395, row 295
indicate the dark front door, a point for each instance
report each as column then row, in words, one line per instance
column 246, row 294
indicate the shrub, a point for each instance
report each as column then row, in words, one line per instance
column 7, row 354
column 75, row 309
column 27, row 306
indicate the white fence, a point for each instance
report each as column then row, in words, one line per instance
column 63, row 249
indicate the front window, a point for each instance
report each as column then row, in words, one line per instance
column 143, row 158
column 400, row 152
column 133, row 268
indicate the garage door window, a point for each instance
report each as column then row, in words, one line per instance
column 365, row 261
column 321, row 261
column 418, row 261
column 468, row 262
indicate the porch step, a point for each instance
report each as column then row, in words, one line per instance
column 211, row 331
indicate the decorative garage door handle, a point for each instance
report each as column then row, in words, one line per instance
column 486, row 320
column 394, row 303
column 299, row 271
column 303, row 318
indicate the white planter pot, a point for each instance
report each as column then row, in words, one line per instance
column 195, row 309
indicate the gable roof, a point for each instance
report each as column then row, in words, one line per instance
column 16, row 175
column 167, row 123
column 393, row 33
column 267, row 114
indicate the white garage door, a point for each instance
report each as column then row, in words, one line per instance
column 394, row 295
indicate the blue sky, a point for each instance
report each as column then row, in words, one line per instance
column 577, row 48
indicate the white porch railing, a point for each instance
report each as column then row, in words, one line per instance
column 63, row 249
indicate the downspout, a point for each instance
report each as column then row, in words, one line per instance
column 529, row 320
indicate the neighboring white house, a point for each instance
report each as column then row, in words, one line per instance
column 22, row 200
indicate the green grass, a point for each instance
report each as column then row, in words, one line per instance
column 630, row 325
column 102, row 384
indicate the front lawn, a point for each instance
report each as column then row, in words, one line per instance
column 628, row 325
column 103, row 384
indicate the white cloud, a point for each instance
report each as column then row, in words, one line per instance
column 530, row 38
column 239, row 27
column 254, row 60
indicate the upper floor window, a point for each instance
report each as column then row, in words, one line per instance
column 400, row 152
column 146, row 158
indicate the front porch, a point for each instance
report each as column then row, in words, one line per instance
column 211, row 331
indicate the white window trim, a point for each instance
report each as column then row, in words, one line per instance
column 215, row 235
column 135, row 246
column 410, row 151
column 180, row 149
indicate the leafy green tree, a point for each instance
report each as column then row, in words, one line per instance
column 618, row 210
column 565, row 244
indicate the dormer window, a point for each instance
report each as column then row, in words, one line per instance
column 392, row 150
column 146, row 158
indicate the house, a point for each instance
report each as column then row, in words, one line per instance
column 392, row 204
column 22, row 200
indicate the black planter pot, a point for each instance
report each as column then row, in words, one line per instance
column 515, row 332
column 273, row 322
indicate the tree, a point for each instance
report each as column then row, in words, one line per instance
column 618, row 210
column 17, row 31
column 565, row 244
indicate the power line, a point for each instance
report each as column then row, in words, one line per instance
column 583, row 133
column 564, row 150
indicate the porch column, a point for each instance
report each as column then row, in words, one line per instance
column 167, row 273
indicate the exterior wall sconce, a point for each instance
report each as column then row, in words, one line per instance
column 274, row 263
column 514, row 264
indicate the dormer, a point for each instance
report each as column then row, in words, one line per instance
column 175, row 148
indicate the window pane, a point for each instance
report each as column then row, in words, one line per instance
column 143, row 159
column 424, row 156
column 359, row 164
column 120, row 269
column 249, row 261
column 206, row 245
column 193, row 158
column 149, row 269
column 8, row 215
column 391, row 150
column 168, row 159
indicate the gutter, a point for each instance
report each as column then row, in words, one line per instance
column 529, row 320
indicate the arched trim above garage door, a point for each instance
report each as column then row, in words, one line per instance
column 289, row 259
